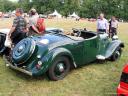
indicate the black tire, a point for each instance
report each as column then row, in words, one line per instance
column 116, row 55
column 53, row 69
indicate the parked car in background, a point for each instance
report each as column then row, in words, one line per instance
column 1, row 14
column 92, row 19
column 56, row 54
column 122, row 89
column 43, row 16
column 7, row 15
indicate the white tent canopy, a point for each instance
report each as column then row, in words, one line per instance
column 74, row 15
column 13, row 12
column 56, row 14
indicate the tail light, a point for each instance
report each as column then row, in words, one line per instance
column 39, row 64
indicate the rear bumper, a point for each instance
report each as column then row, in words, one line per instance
column 21, row 70
column 122, row 91
column 16, row 68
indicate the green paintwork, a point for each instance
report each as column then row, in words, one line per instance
column 48, row 47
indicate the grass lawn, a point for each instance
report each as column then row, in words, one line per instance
column 90, row 80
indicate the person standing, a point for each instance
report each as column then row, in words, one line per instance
column 102, row 24
column 19, row 28
column 113, row 26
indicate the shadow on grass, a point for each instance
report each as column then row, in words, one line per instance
column 44, row 76
column 26, row 77
column 96, row 62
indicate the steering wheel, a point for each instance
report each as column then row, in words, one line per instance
column 77, row 32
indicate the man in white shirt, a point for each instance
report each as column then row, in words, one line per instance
column 113, row 26
column 102, row 24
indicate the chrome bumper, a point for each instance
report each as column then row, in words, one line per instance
column 20, row 69
column 8, row 64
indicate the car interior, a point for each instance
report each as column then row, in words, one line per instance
column 87, row 34
column 82, row 34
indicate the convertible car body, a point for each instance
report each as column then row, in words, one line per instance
column 122, row 89
column 56, row 54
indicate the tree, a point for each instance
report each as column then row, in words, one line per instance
column 6, row 6
column 85, row 8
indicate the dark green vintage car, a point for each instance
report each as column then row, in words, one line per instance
column 56, row 54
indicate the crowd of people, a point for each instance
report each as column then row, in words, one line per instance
column 108, row 27
column 23, row 27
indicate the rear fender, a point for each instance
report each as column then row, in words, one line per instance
column 52, row 55
column 112, row 47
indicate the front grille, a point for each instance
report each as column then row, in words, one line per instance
column 124, row 77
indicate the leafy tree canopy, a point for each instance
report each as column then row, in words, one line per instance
column 85, row 8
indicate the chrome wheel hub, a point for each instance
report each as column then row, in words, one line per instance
column 61, row 67
column 20, row 48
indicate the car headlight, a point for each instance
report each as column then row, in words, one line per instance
column 39, row 64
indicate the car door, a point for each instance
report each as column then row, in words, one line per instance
column 77, row 49
column 91, row 47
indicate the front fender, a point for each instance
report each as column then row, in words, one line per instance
column 51, row 56
column 112, row 47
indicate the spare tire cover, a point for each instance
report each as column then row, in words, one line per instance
column 23, row 51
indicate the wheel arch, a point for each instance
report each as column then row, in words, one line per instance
column 70, row 60
column 53, row 54
column 64, row 52
column 112, row 47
